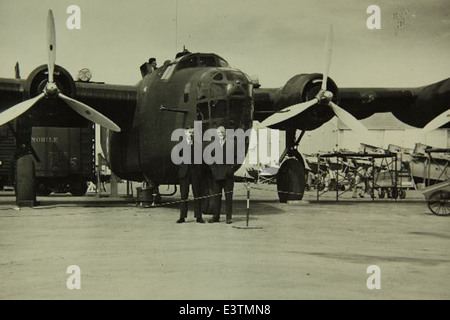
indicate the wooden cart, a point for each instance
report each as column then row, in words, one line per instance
column 438, row 198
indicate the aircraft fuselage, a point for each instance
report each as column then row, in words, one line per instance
column 197, row 87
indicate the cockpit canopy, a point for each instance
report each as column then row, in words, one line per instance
column 194, row 60
column 199, row 60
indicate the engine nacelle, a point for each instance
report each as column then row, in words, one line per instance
column 301, row 88
column 52, row 112
column 38, row 78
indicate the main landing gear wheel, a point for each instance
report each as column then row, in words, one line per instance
column 291, row 182
column 25, row 181
column 439, row 203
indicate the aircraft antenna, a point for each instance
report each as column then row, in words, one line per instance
column 176, row 25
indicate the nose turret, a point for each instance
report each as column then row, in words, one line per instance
column 225, row 98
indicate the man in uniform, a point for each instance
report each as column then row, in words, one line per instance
column 223, row 175
column 148, row 67
column 190, row 174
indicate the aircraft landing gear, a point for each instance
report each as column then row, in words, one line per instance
column 291, row 178
column 25, row 181
column 148, row 195
column 291, row 181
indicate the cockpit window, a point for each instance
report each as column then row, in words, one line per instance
column 201, row 60
column 218, row 90
column 218, row 109
column 194, row 61
column 188, row 63
column 218, row 77
column 207, row 61
column 223, row 63
column 202, row 111
column 233, row 76
column 168, row 73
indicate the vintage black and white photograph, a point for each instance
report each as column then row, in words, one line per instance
column 224, row 150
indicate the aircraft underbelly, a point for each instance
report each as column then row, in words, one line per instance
column 155, row 142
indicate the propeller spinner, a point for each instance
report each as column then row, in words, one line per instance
column 51, row 90
column 323, row 97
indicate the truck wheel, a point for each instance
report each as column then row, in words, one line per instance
column 78, row 188
column 25, row 181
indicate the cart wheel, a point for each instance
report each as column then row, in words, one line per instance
column 394, row 193
column 320, row 186
column 389, row 193
column 439, row 203
column 402, row 193
column 381, row 193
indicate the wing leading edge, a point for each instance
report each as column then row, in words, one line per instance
column 117, row 102
column 413, row 106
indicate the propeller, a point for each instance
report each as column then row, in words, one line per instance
column 327, row 57
column 324, row 97
column 288, row 113
column 51, row 90
column 437, row 122
column 51, row 45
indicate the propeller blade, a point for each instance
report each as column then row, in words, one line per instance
column 51, row 45
column 327, row 57
column 288, row 113
column 437, row 122
column 89, row 113
column 350, row 121
column 15, row 111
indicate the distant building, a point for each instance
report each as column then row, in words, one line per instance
column 383, row 126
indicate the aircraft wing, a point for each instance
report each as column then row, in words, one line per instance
column 413, row 106
column 117, row 102
column 11, row 92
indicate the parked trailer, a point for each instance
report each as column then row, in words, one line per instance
column 67, row 159
column 7, row 150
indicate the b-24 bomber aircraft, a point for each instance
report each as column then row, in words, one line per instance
column 138, row 121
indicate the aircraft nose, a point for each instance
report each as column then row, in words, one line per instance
column 225, row 98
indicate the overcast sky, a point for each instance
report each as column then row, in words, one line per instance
column 273, row 40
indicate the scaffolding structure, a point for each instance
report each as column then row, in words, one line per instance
column 384, row 175
column 441, row 165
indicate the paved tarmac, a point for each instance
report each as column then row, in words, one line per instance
column 302, row 250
